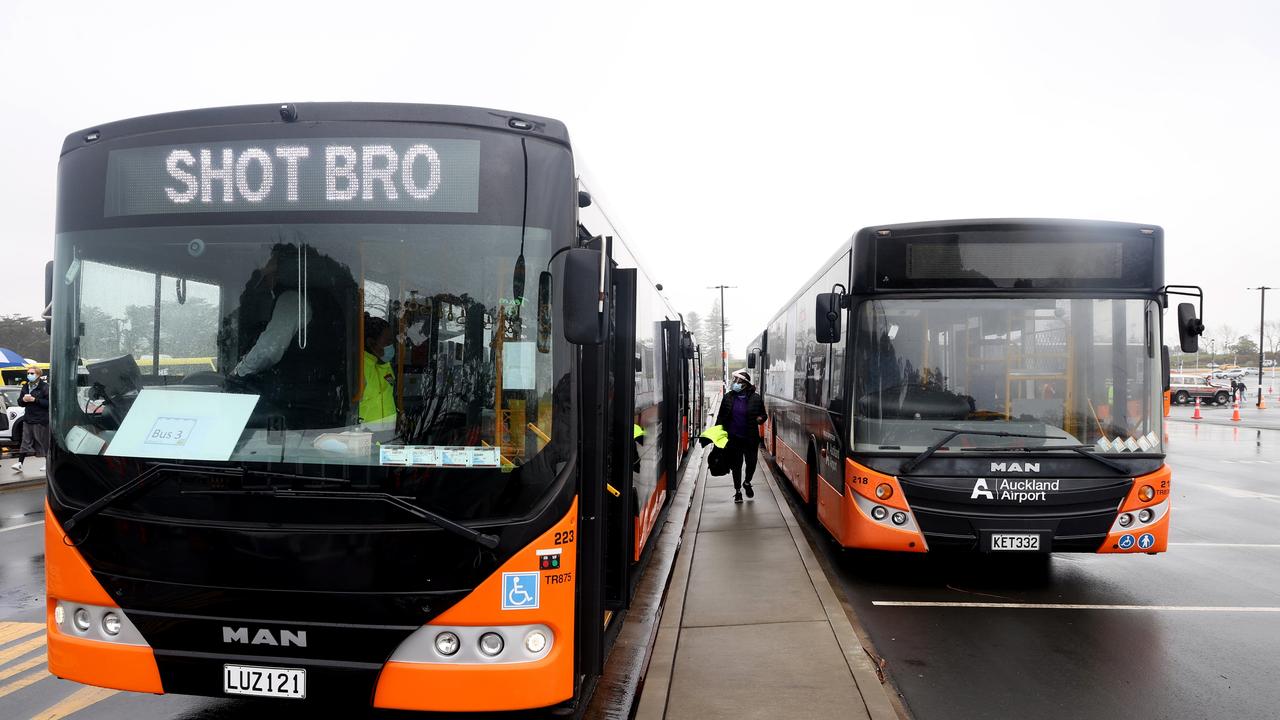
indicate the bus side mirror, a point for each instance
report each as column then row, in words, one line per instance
column 686, row 347
column 751, row 361
column 1164, row 360
column 544, row 312
column 1190, row 328
column 582, row 296
column 826, row 317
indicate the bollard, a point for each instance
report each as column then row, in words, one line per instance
column 1196, row 415
column 1235, row 411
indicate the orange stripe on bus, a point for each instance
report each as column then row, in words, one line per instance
column 92, row 662
column 443, row 687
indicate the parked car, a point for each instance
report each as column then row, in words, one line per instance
column 1184, row 389
column 10, row 416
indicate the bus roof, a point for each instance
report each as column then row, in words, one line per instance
column 322, row 112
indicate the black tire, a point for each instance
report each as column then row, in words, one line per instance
column 1182, row 397
column 1222, row 397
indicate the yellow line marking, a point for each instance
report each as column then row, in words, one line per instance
column 23, row 666
column 11, row 631
column 75, row 702
column 17, row 651
column 31, row 679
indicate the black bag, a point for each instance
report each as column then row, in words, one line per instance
column 718, row 462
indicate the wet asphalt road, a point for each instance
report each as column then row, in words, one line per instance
column 1155, row 660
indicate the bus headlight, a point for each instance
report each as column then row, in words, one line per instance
column 447, row 643
column 1146, row 493
column 111, row 624
column 491, row 644
column 1126, row 520
column 81, row 619
column 1145, row 516
column 884, row 491
column 879, row 512
column 535, row 641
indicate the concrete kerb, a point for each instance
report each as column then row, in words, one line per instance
column 875, row 694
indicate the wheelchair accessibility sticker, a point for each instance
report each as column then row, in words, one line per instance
column 1126, row 542
column 519, row 591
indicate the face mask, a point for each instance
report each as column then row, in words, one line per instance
column 736, row 387
column 388, row 353
column 31, row 377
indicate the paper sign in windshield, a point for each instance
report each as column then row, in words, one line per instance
column 453, row 456
column 178, row 425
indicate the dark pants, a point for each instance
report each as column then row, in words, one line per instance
column 740, row 450
column 35, row 441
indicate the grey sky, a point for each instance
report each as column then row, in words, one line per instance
column 733, row 143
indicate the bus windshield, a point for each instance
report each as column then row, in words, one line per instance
column 1074, row 371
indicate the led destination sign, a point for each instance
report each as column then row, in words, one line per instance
column 396, row 174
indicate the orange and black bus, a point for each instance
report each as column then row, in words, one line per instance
column 407, row 477
column 981, row 385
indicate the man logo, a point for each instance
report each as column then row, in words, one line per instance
column 1026, row 467
column 980, row 489
column 264, row 637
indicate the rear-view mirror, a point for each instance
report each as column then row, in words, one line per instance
column 582, row 296
column 826, row 317
column 751, row 361
column 1190, row 328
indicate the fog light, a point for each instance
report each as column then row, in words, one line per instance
column 81, row 619
column 884, row 491
column 535, row 642
column 491, row 644
column 1146, row 492
column 59, row 615
column 447, row 643
column 111, row 623
column 879, row 512
column 1146, row 515
column 899, row 518
column 1126, row 520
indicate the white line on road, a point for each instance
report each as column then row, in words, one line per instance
column 24, row 525
column 1068, row 606
column 1243, row 545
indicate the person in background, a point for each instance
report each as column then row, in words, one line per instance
column 741, row 414
column 378, row 401
column 34, row 397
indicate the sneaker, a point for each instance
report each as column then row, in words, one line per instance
column 16, row 467
column 737, row 498
column 746, row 487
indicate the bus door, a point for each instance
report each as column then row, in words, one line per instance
column 672, row 401
column 622, row 458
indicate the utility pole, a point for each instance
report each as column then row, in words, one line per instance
column 1262, row 338
column 724, row 356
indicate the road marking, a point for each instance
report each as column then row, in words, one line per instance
column 75, row 702
column 10, row 631
column 17, row 685
column 1069, row 606
column 24, row 525
column 23, row 666
column 17, row 651
column 1232, row 545
column 1240, row 493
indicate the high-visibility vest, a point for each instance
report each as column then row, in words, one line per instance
column 717, row 435
column 378, row 403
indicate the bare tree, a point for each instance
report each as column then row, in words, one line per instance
column 1223, row 335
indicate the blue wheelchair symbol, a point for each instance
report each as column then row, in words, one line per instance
column 1146, row 540
column 519, row 591
column 1126, row 542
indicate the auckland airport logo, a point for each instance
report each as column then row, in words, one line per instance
column 1017, row 490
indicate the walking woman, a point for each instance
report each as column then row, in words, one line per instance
column 741, row 414
column 34, row 397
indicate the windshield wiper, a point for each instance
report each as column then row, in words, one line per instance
column 911, row 464
column 143, row 478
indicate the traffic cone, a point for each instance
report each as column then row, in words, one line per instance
column 1196, row 415
column 1235, row 411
